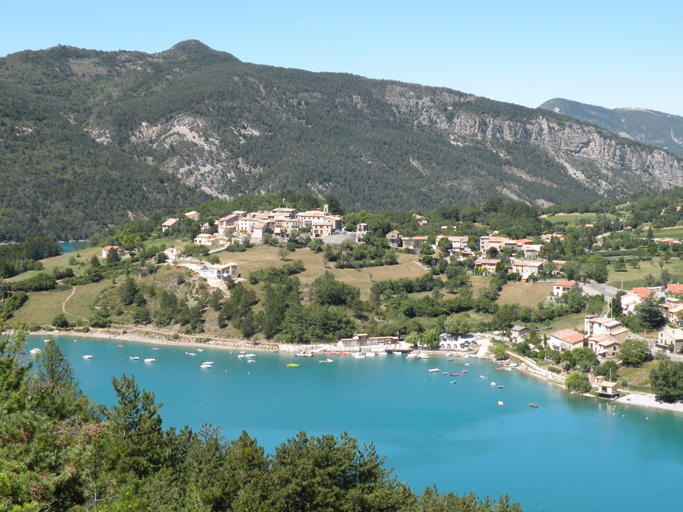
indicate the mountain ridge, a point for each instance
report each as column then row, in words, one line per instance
column 191, row 123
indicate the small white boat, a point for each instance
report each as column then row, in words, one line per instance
column 359, row 356
column 45, row 341
column 134, row 358
column 423, row 356
column 467, row 364
column 200, row 350
column 251, row 360
column 190, row 353
column 241, row 356
column 434, row 370
column 155, row 349
column 208, row 362
column 35, row 351
column 500, row 403
column 327, row 361
column 87, row 356
column 370, row 354
column 150, row 360
column 205, row 365
column 493, row 383
column 411, row 356
column 250, row 355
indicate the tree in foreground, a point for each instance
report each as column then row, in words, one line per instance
column 577, row 381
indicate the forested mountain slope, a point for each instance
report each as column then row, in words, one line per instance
column 90, row 137
column 646, row 126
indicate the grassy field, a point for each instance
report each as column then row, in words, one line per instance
column 524, row 294
column 574, row 322
column 638, row 378
column 636, row 277
column 479, row 282
column 41, row 308
column 262, row 256
column 675, row 232
column 576, row 218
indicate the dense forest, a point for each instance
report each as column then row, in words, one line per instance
column 89, row 139
column 60, row 451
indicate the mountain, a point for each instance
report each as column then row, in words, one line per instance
column 88, row 138
column 646, row 126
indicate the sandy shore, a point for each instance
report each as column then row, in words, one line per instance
column 647, row 400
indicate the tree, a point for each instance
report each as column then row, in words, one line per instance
column 577, row 381
column 113, row 257
column 55, row 380
column 127, row 291
column 650, row 314
column 60, row 321
column 634, row 352
column 459, row 323
column 500, row 352
column 430, row 338
column 608, row 369
column 666, row 379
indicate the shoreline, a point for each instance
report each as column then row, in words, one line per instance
column 646, row 400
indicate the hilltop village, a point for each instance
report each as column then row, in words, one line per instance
column 553, row 298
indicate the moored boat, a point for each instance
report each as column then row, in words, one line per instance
column 483, row 377
column 534, row 406
column 35, row 351
column 150, row 360
column 464, row 371
column 454, row 374
column 204, row 365
column 500, row 403
column 501, row 387
column 292, row 365
column 134, row 358
column 453, row 382
column 87, row 356
column 433, row 370
column 327, row 361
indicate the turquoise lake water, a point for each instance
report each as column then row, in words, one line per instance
column 572, row 453
column 70, row 246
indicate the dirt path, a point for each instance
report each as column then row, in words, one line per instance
column 73, row 290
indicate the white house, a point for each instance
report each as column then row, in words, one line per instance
column 119, row 250
column 223, row 271
column 566, row 339
column 670, row 340
column 562, row 287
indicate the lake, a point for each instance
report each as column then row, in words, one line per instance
column 71, row 246
column 572, row 453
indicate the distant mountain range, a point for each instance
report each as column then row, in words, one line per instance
column 90, row 138
column 646, row 126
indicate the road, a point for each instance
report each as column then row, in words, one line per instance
column 594, row 288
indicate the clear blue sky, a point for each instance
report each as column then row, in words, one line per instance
column 608, row 53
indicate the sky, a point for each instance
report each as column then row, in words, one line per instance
column 607, row 53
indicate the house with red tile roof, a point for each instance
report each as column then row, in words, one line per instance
column 562, row 287
column 566, row 339
column 676, row 289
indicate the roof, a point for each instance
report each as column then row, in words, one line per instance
column 565, row 283
column 484, row 261
column 676, row 334
column 518, row 328
column 569, row 336
column 643, row 293
column 675, row 288
column 170, row 222
column 604, row 340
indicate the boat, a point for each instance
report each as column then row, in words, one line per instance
column 453, row 382
column 467, row 364
column 342, row 353
column 150, row 360
column 250, row 355
column 120, row 346
column 359, row 356
column 500, row 403
column 444, row 373
column 190, row 353
column 411, row 356
column 241, row 356
column 134, row 358
column 251, row 360
column 155, row 349
column 35, row 351
column 499, row 369
column 200, row 350
column 463, row 372
column 534, row 406
column 205, row 365
column 449, row 359
column 423, row 356
column 301, row 354
column 493, row 383
column 292, row 365
column 370, row 354
column 329, row 353
column 45, row 341
column 482, row 377
column 327, row 361
column 501, row 387
column 433, row 370
column 87, row 356
column 208, row 362
column 454, row 374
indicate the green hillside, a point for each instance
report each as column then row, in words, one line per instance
column 89, row 139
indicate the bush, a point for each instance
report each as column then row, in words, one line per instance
column 554, row 369
column 60, row 321
column 578, row 382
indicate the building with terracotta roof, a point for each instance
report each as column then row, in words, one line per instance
column 593, row 324
column 676, row 289
column 562, row 287
column 566, row 339
column 604, row 345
